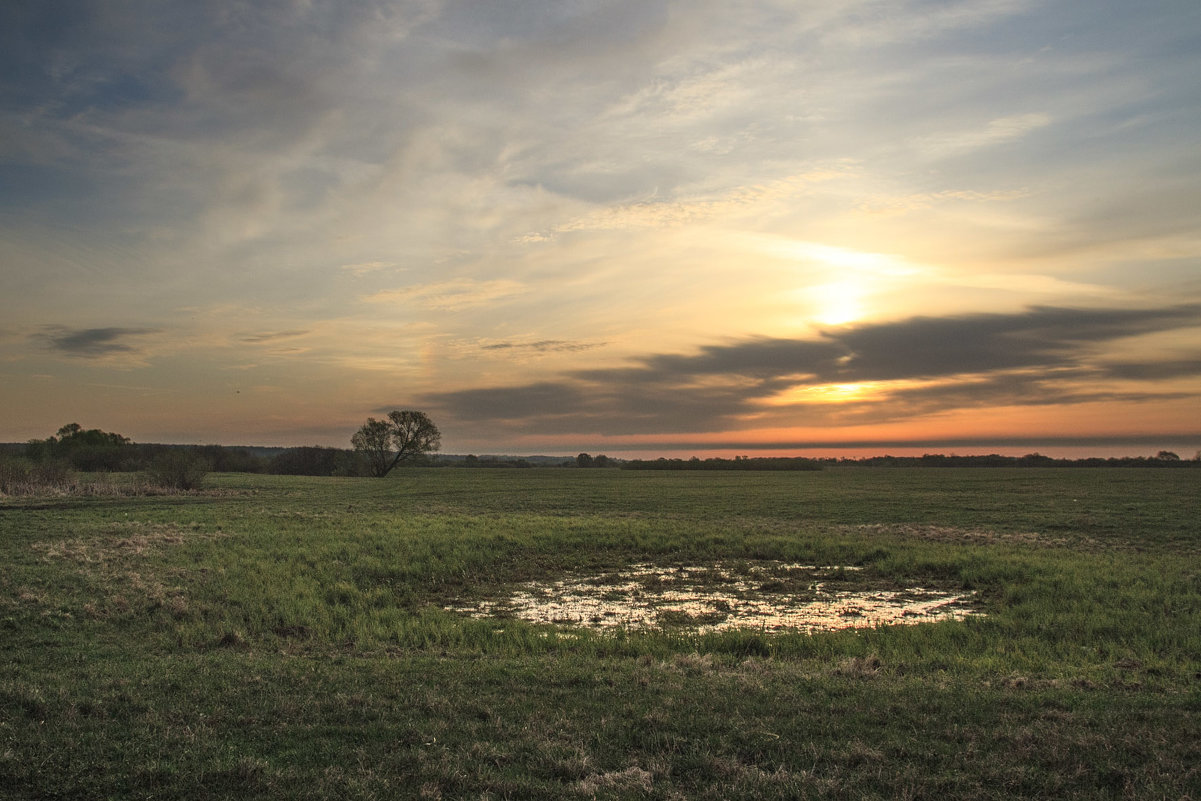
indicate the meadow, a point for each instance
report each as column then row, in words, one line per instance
column 290, row 637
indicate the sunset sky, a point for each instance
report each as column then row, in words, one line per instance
column 624, row 227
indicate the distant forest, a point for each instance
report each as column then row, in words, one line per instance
column 93, row 450
column 1162, row 459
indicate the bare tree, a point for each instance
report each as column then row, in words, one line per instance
column 402, row 436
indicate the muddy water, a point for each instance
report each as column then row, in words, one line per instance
column 772, row 597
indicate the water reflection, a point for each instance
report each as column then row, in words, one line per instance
column 770, row 597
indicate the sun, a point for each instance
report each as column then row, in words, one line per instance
column 849, row 283
column 839, row 302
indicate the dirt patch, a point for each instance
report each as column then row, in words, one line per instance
column 768, row 597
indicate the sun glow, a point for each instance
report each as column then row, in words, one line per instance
column 850, row 282
column 827, row 393
column 840, row 302
column 841, row 258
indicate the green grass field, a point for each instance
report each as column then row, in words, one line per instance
column 285, row 637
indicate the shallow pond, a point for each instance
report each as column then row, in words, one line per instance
column 769, row 596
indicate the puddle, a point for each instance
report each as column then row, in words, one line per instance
column 770, row 597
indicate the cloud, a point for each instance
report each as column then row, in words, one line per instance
column 690, row 209
column 883, row 204
column 456, row 295
column 997, row 131
column 926, row 347
column 360, row 269
column 266, row 337
column 1044, row 355
column 506, row 403
column 1024, row 388
column 543, row 346
column 1151, row 371
column 94, row 342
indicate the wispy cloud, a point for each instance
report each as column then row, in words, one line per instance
column 901, row 204
column 451, row 296
column 695, row 206
column 995, row 132
column 542, row 346
column 360, row 269
column 268, row 337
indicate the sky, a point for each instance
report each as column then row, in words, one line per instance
column 627, row 227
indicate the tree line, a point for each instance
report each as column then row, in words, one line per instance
column 96, row 451
column 935, row 460
column 409, row 437
column 1160, row 459
column 379, row 445
column 737, row 463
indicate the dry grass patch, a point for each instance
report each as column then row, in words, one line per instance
column 955, row 534
column 115, row 563
column 632, row 779
column 859, row 667
column 80, row 488
column 120, row 542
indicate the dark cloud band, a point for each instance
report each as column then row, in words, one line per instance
column 93, row 342
column 1044, row 355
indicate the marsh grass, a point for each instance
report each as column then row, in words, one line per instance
column 285, row 637
column 20, row 479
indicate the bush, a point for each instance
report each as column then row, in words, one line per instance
column 23, row 477
column 178, row 468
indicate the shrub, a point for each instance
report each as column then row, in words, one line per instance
column 23, row 477
column 178, row 468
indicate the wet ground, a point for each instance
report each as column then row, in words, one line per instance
column 768, row 596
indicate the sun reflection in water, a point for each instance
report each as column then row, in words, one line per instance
column 774, row 597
